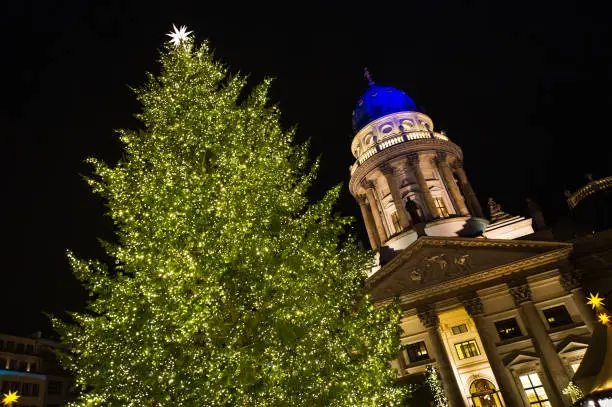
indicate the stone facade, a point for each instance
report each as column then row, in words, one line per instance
column 503, row 320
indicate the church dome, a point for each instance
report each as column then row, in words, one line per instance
column 379, row 101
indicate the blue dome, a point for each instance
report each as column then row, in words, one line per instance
column 379, row 101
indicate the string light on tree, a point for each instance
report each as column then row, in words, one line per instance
column 228, row 288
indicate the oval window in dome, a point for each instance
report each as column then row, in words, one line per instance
column 367, row 140
column 407, row 125
column 386, row 129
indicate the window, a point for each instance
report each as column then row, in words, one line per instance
column 440, row 206
column 29, row 349
column 467, row 349
column 32, row 367
column 459, row 329
column 2, row 363
column 30, row 389
column 508, row 329
column 12, row 365
column 20, row 348
column 1, row 344
column 54, row 387
column 417, row 351
column 557, row 316
column 23, row 365
column 535, row 390
column 9, row 345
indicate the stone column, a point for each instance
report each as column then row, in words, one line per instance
column 451, row 184
column 505, row 381
column 380, row 227
column 369, row 222
column 415, row 168
column 389, row 173
column 472, row 200
column 553, row 366
column 429, row 318
column 570, row 280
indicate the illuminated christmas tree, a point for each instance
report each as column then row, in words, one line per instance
column 228, row 287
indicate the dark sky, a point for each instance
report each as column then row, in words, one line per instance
column 524, row 89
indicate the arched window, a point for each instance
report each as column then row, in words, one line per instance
column 484, row 394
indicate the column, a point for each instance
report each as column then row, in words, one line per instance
column 570, row 280
column 507, row 384
column 389, row 174
column 451, row 184
column 369, row 221
column 429, row 318
column 553, row 366
column 413, row 164
column 472, row 200
column 371, row 194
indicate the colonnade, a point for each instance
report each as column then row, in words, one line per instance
column 371, row 206
column 553, row 367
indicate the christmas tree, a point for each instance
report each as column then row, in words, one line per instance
column 227, row 288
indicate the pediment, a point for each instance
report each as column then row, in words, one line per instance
column 572, row 343
column 519, row 358
column 433, row 261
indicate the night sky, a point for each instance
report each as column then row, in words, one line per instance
column 523, row 89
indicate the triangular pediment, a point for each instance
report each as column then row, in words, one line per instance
column 518, row 358
column 572, row 343
column 434, row 261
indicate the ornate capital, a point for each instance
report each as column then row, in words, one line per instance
column 361, row 199
column 367, row 184
column 457, row 164
column 570, row 279
column 429, row 317
column 412, row 160
column 387, row 169
column 440, row 158
column 520, row 292
column 473, row 305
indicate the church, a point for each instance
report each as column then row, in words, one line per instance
column 494, row 302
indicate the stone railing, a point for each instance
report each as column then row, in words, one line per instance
column 393, row 140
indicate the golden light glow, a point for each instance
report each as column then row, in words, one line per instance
column 604, row 318
column 595, row 300
column 10, row 398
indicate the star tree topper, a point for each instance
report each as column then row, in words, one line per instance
column 10, row 398
column 179, row 35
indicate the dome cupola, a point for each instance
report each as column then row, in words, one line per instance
column 379, row 101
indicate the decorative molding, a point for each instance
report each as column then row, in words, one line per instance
column 359, row 172
column 429, row 317
column 361, row 199
column 570, row 279
column 367, row 184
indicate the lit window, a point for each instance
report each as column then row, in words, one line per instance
column 557, row 316
column 507, row 329
column 417, row 351
column 459, row 329
column 440, row 206
column 535, row 390
column 467, row 349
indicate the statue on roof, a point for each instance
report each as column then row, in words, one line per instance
column 496, row 211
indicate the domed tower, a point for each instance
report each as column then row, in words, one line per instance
column 407, row 178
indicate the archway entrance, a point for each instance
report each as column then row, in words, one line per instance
column 484, row 394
